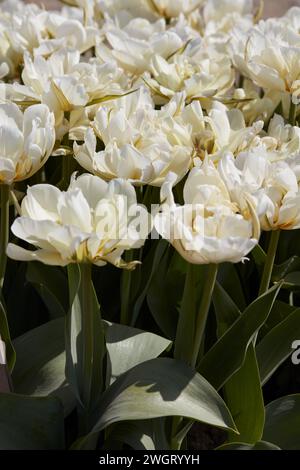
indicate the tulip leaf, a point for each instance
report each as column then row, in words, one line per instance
column 223, row 360
column 260, row 445
column 156, row 388
column 43, row 374
column 244, row 398
column 289, row 266
column 292, row 281
column 139, row 435
column 128, row 347
column 51, row 284
column 280, row 311
column 164, row 295
column 275, row 347
column 225, row 309
column 259, row 256
column 283, row 422
column 160, row 249
column 5, row 335
column 29, row 423
column 104, row 99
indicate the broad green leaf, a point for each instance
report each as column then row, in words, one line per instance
column 225, row 309
column 52, row 285
column 128, row 347
column 161, row 248
column 260, row 445
column 156, row 388
column 244, row 398
column 230, row 281
column 283, row 422
column 280, row 311
column 5, row 335
column 289, row 266
column 139, row 435
column 40, row 365
column 275, row 347
column 164, row 295
column 292, row 281
column 228, row 354
column 30, row 423
column 259, row 256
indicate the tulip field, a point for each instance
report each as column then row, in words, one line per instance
column 149, row 231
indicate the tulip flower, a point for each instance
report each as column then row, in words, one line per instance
column 92, row 222
column 210, row 228
column 141, row 144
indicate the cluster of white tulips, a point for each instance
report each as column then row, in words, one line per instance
column 188, row 105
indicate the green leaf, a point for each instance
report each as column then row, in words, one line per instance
column 259, row 256
column 229, row 279
column 275, row 347
column 160, row 250
column 139, row 435
column 164, row 295
column 5, row 335
column 260, row 445
column 292, row 281
column 289, row 266
column 128, row 347
column 280, row 311
column 283, row 422
column 104, row 99
column 244, row 398
column 223, row 360
column 40, row 365
column 225, row 309
column 30, row 423
column 160, row 387
column 52, row 285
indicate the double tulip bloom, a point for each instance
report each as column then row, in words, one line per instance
column 92, row 222
column 26, row 141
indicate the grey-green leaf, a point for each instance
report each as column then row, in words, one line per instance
column 275, row 347
column 260, row 445
column 128, row 347
column 161, row 387
column 228, row 354
column 40, row 365
column 31, row 423
column 283, row 422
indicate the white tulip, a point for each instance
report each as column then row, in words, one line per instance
column 141, row 144
column 198, row 72
column 26, row 141
column 272, row 182
column 209, row 228
column 92, row 221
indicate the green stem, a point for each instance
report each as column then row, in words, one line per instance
column 66, row 171
column 87, row 331
column 85, row 344
column 269, row 264
column 126, row 280
column 4, row 229
column 201, row 320
column 293, row 114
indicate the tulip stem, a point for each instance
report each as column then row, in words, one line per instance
column 208, row 288
column 4, row 230
column 293, row 114
column 126, row 280
column 269, row 264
